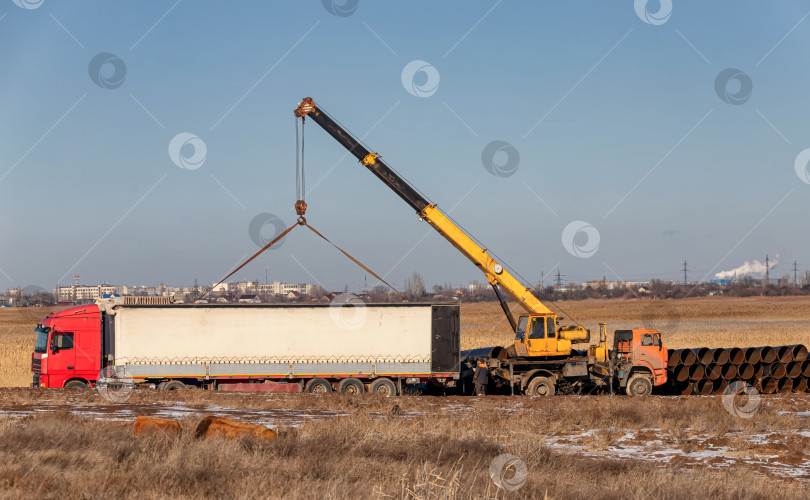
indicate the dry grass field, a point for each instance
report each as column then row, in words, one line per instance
column 56, row 443
column 572, row 447
column 694, row 322
column 17, row 343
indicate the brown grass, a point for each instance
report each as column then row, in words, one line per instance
column 17, row 343
column 693, row 322
column 437, row 448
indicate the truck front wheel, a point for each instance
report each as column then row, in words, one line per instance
column 76, row 384
column 639, row 385
column 540, row 386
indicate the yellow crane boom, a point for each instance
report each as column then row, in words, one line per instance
column 536, row 333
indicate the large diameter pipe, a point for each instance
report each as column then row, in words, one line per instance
column 767, row 354
column 784, row 353
column 745, row 371
column 794, row 369
column 496, row 352
column 713, row 371
column 685, row 389
column 767, row 385
column 674, row 358
column 775, row 370
column 800, row 384
column 736, row 355
column 799, row 352
column 704, row 355
column 728, row 371
column 720, row 356
column 752, row 356
column 719, row 386
column 784, row 385
column 703, row 387
column 759, row 371
column 806, row 368
column 687, row 357
column 696, row 372
column 681, row 373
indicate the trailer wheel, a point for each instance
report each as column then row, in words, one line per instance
column 76, row 384
column 173, row 385
column 639, row 385
column 383, row 387
column 318, row 386
column 540, row 386
column 351, row 386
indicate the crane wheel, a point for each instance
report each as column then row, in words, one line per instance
column 540, row 386
column 639, row 385
column 351, row 386
column 318, row 386
column 383, row 387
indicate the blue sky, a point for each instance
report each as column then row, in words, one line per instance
column 617, row 122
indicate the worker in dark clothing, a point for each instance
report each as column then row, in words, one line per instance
column 480, row 378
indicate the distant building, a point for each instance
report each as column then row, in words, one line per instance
column 81, row 293
column 249, row 299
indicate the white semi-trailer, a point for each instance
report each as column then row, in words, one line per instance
column 350, row 347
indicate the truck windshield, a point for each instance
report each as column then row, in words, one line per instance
column 523, row 322
column 42, row 338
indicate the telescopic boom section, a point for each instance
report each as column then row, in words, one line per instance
column 496, row 275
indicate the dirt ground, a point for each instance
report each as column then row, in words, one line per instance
column 55, row 441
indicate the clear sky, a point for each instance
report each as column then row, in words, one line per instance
column 633, row 137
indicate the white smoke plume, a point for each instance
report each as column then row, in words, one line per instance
column 753, row 267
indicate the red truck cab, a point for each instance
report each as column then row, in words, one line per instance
column 68, row 348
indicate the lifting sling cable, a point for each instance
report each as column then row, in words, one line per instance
column 355, row 260
column 297, row 164
column 303, row 222
column 301, row 208
column 276, row 239
column 300, row 179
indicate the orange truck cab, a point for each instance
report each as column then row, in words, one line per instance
column 640, row 360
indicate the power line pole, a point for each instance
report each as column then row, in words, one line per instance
column 559, row 279
column 795, row 273
column 685, row 270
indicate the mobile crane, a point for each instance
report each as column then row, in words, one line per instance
column 542, row 356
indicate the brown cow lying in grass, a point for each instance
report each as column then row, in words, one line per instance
column 218, row 426
column 168, row 427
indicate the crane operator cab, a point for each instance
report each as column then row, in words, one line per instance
column 537, row 335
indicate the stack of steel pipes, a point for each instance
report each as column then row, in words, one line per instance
column 704, row 371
